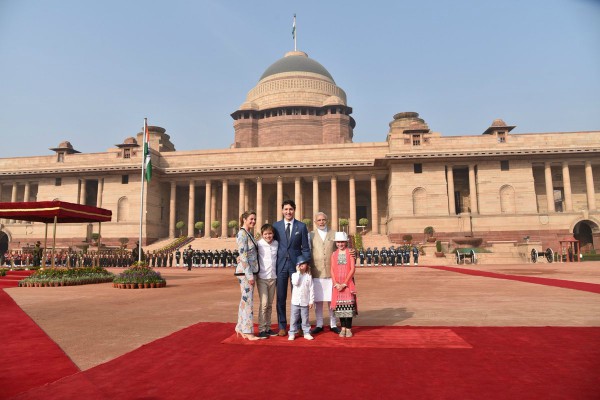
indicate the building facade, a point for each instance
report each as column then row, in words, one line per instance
column 293, row 138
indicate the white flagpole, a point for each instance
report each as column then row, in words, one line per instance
column 142, row 191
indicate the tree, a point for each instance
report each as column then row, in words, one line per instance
column 199, row 226
column 307, row 222
column 363, row 222
column 358, row 244
column 179, row 225
column 123, row 241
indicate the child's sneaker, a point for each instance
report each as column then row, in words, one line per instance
column 292, row 337
column 308, row 336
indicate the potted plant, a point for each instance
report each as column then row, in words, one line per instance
column 438, row 249
column 362, row 223
column 200, row 227
column 429, row 231
column 233, row 225
column 307, row 222
column 179, row 225
column 407, row 238
column 344, row 223
column 216, row 225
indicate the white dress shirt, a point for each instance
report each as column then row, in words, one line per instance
column 303, row 293
column 267, row 255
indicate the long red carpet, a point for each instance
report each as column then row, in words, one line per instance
column 585, row 286
column 28, row 357
column 12, row 278
column 502, row 363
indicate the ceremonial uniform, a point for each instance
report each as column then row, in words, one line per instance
column 375, row 257
column 415, row 252
column 384, row 256
column 369, row 255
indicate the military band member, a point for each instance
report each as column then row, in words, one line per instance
column 369, row 255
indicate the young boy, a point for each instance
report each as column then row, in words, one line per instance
column 303, row 298
column 265, row 283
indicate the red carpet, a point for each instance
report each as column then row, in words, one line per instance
column 12, row 278
column 369, row 337
column 584, row 286
column 28, row 357
column 503, row 363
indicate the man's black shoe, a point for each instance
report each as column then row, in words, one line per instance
column 264, row 335
column 271, row 332
column 316, row 329
column 335, row 330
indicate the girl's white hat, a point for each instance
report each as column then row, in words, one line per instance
column 340, row 237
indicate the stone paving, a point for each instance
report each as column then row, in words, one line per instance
column 96, row 323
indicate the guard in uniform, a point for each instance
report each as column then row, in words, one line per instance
column 406, row 254
column 177, row 257
column 392, row 256
column 197, row 258
column 375, row 257
column 188, row 255
column 170, row 259
column 236, row 254
column 384, row 256
column 361, row 257
column 369, row 255
column 415, row 252
column 229, row 258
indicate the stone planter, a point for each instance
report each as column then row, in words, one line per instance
column 439, row 254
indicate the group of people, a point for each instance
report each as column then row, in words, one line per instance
column 389, row 257
column 319, row 267
column 202, row 258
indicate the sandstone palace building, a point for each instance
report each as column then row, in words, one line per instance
column 294, row 138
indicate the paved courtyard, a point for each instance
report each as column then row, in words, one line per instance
column 96, row 323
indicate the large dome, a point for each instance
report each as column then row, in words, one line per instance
column 296, row 61
column 294, row 80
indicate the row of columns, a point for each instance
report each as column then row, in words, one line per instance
column 472, row 190
column 243, row 203
column 589, row 186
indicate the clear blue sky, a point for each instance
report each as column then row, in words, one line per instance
column 90, row 71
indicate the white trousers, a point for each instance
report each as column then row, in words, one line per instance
column 319, row 314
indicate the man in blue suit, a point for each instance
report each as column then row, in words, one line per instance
column 292, row 236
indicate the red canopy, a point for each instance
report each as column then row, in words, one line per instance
column 46, row 211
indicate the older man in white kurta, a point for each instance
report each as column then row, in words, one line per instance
column 322, row 246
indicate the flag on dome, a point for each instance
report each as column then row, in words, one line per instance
column 294, row 28
column 147, row 158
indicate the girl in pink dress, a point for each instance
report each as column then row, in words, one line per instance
column 343, row 297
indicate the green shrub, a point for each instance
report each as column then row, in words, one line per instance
column 438, row 246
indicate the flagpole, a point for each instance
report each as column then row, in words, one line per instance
column 295, row 34
column 142, row 191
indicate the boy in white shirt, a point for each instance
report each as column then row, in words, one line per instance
column 265, row 283
column 303, row 298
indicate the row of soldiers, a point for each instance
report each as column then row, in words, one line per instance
column 197, row 258
column 389, row 257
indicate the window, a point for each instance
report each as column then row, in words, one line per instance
column 126, row 153
column 125, row 179
column 416, row 140
column 501, row 137
column 504, row 165
column 58, row 182
column 418, row 168
column 60, row 157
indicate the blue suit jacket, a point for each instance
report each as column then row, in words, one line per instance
column 287, row 252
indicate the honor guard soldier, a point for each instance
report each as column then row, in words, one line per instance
column 197, row 258
column 209, row 258
column 384, row 256
column 171, row 259
column 361, row 257
column 392, row 256
column 188, row 255
column 369, row 255
column 229, row 258
column 406, row 254
column 415, row 252
column 177, row 257
column 236, row 254
column 375, row 257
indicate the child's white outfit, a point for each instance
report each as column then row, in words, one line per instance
column 303, row 295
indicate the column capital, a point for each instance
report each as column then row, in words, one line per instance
column 259, row 179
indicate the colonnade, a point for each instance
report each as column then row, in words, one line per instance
column 244, row 201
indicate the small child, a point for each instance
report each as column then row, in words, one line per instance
column 303, row 298
column 267, row 256
column 343, row 297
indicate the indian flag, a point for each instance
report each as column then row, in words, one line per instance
column 147, row 158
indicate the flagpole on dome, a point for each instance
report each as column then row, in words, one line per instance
column 294, row 33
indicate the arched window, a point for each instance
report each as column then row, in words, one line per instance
column 507, row 200
column 123, row 209
column 419, row 201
